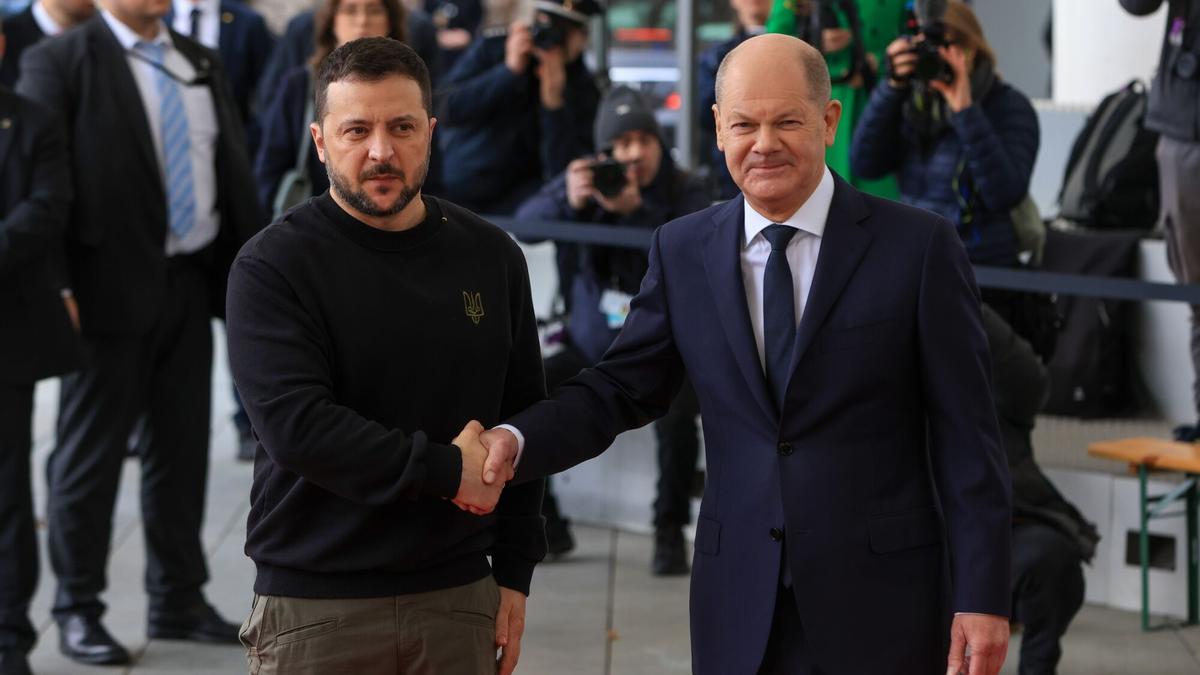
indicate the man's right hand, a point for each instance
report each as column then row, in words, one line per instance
column 904, row 61
column 518, row 48
column 502, row 448
column 474, row 493
column 579, row 183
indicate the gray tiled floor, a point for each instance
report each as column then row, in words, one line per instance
column 599, row 606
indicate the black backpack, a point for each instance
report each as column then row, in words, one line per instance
column 1092, row 373
column 1111, row 181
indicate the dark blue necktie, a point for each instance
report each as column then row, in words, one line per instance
column 779, row 311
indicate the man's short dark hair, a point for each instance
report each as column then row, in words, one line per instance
column 370, row 60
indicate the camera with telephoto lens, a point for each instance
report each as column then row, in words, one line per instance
column 930, row 65
column 549, row 31
column 608, row 177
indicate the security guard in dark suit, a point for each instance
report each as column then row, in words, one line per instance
column 36, row 340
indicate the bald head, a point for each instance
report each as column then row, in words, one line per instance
column 763, row 55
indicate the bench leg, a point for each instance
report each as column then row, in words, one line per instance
column 1193, row 580
column 1144, row 545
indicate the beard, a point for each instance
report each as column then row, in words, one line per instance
column 362, row 202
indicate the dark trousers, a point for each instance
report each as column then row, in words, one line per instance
column 165, row 376
column 1178, row 166
column 1047, row 592
column 18, row 539
column 678, row 446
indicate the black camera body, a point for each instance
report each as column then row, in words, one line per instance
column 608, row 177
column 549, row 31
column 930, row 65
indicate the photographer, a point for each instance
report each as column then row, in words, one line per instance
column 641, row 188
column 1174, row 112
column 961, row 141
column 517, row 108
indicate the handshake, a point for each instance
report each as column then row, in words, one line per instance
column 487, row 464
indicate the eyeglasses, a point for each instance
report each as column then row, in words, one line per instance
column 370, row 10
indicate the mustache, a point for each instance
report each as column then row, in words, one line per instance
column 381, row 170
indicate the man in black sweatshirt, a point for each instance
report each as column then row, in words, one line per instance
column 366, row 327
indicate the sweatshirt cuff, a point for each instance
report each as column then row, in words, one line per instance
column 443, row 470
column 513, row 572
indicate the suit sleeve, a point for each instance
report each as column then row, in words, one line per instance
column 520, row 536
column 969, row 466
column 32, row 228
column 632, row 385
column 478, row 87
column 280, row 363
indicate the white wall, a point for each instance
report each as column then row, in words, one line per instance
column 1098, row 47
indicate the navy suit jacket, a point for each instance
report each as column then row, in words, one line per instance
column 20, row 33
column 35, row 198
column 245, row 45
column 884, row 471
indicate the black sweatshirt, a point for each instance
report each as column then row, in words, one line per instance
column 359, row 354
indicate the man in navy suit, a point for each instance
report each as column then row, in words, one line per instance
column 42, row 18
column 240, row 36
column 857, row 506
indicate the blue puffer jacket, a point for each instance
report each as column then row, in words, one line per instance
column 996, row 141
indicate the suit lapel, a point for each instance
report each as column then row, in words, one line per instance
column 110, row 59
column 722, row 262
column 842, row 247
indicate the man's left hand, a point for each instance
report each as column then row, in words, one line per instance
column 625, row 202
column 986, row 635
column 510, row 626
column 958, row 92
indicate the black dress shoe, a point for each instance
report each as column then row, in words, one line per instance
column 13, row 662
column 200, row 623
column 670, row 553
column 84, row 639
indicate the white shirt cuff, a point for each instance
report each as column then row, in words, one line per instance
column 520, row 441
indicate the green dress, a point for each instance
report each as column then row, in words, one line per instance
column 882, row 21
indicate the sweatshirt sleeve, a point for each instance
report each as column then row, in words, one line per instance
column 279, row 356
column 520, row 537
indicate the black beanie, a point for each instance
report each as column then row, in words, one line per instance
column 621, row 110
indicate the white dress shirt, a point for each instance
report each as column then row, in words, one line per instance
column 44, row 21
column 202, row 131
column 802, row 252
column 210, row 20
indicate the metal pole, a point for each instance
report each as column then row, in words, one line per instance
column 685, row 55
column 1144, row 545
column 1193, row 565
column 600, row 44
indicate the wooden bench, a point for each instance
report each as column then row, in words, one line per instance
column 1144, row 455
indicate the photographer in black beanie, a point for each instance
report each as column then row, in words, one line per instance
column 633, row 182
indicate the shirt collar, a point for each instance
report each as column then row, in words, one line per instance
column 127, row 37
column 45, row 22
column 810, row 217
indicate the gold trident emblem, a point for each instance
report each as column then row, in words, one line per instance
column 474, row 305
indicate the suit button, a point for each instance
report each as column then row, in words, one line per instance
column 776, row 534
column 785, row 449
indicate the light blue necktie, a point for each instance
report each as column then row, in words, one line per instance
column 177, row 147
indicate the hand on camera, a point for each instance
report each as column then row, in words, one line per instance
column 903, row 62
column 518, row 48
column 958, row 92
column 625, row 202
